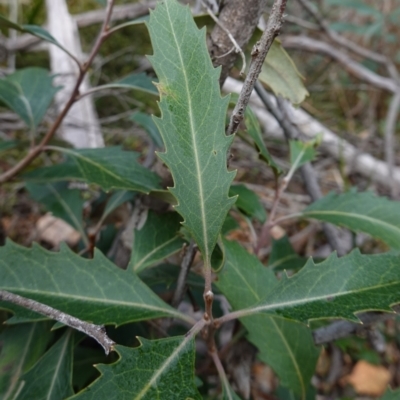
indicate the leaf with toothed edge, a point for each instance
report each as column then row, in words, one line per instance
column 192, row 122
column 336, row 288
column 93, row 290
column 157, row 369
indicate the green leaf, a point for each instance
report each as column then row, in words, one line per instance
column 22, row 345
column 109, row 167
column 281, row 74
column 229, row 393
column 391, row 395
column 28, row 92
column 287, row 346
column 192, row 123
column 336, row 288
column 51, row 377
column 61, row 201
column 158, row 369
column 116, row 199
column 33, row 30
column 254, row 131
column 156, row 240
column 364, row 211
column 8, row 145
column 133, row 81
column 148, row 124
column 302, row 152
column 283, row 256
column 93, row 290
column 248, row 202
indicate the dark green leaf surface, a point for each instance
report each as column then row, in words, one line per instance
column 287, row 346
column 192, row 123
column 148, row 124
column 116, row 199
column 28, row 92
column 22, row 345
column 158, row 369
column 51, row 377
column 337, row 288
column 391, row 395
column 248, row 202
column 254, row 131
column 363, row 212
column 61, row 201
column 133, row 81
column 93, row 290
column 283, row 256
column 7, row 145
column 156, row 240
column 109, row 167
column 301, row 152
column 280, row 73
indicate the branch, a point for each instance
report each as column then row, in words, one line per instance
column 348, row 44
column 35, row 151
column 258, row 54
column 353, row 67
column 96, row 332
column 185, row 266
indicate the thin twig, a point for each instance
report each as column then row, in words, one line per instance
column 258, row 54
column 83, row 68
column 231, row 38
column 97, row 332
column 390, row 130
column 221, row 372
column 185, row 267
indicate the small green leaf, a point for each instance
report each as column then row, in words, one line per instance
column 286, row 346
column 254, row 131
column 364, row 211
column 148, row 124
column 61, row 201
column 158, row 369
column 51, row 377
column 284, row 257
column 28, row 92
column 280, row 73
column 109, row 167
column 8, row 145
column 93, row 290
column 133, row 81
column 248, row 202
column 33, row 30
column 192, row 124
column 156, row 240
column 116, row 199
column 336, row 288
column 391, row 395
column 302, row 152
column 22, row 345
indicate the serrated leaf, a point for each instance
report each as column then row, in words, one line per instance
column 336, row 288
column 28, row 92
column 33, row 30
column 148, row 124
column 158, row 369
column 364, row 211
column 133, row 81
column 248, row 202
column 283, row 256
column 287, row 346
column 21, row 347
column 281, row 74
column 93, row 290
column 156, row 240
column 61, row 201
column 254, row 131
column 109, row 167
column 51, row 377
column 192, row 123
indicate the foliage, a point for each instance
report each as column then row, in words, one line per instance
column 191, row 133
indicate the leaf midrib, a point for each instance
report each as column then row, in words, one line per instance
column 193, row 137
